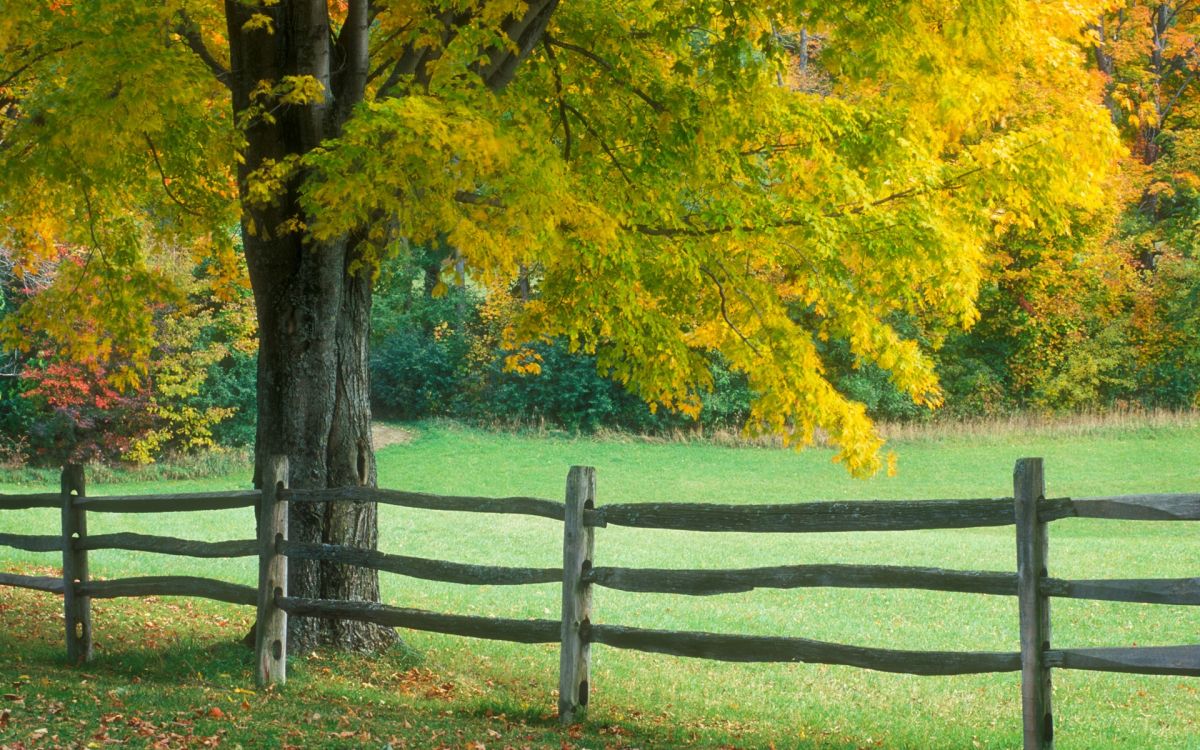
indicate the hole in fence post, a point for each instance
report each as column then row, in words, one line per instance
column 277, row 649
column 79, row 630
column 583, row 693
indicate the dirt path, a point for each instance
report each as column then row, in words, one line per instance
column 383, row 435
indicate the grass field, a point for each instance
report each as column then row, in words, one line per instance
column 452, row 692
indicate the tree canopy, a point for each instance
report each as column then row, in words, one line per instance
column 672, row 177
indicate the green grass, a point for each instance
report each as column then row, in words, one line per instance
column 646, row 700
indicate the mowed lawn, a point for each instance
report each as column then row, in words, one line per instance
column 499, row 694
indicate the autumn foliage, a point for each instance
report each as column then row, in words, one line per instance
column 840, row 204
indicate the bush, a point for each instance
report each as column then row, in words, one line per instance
column 232, row 383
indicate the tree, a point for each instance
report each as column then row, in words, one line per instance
column 668, row 190
column 1148, row 53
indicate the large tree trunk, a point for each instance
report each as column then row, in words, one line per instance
column 313, row 322
column 313, row 314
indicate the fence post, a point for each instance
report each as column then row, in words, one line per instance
column 1029, row 489
column 578, row 543
column 270, row 633
column 77, row 608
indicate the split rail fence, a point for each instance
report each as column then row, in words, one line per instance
column 1028, row 510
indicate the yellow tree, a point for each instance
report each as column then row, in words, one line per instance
column 668, row 189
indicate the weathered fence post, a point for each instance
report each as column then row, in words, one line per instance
column 578, row 543
column 270, row 633
column 77, row 608
column 1029, row 489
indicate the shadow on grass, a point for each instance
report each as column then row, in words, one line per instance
column 165, row 664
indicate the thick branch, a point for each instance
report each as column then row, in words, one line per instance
column 525, row 32
column 189, row 30
column 353, row 58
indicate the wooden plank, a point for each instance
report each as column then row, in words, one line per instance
column 77, row 606
column 1184, row 591
column 491, row 628
column 1029, row 491
column 1164, row 660
column 530, row 506
column 1140, row 507
column 270, row 630
column 185, row 502
column 814, row 517
column 32, row 500
column 39, row 583
column 204, row 588
column 418, row 567
column 32, row 543
column 708, row 582
column 169, row 545
column 753, row 648
column 575, row 656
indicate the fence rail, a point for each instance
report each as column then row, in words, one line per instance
column 1028, row 511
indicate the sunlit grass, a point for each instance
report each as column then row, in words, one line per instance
column 664, row 701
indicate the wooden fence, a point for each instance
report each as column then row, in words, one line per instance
column 1028, row 510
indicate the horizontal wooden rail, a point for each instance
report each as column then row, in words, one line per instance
column 754, row 648
column 491, row 628
column 529, row 506
column 1165, row 660
column 190, row 501
column 32, row 543
column 879, row 515
column 205, row 588
column 1184, row 591
column 706, row 582
column 24, row 502
column 39, row 583
column 169, row 545
column 1178, row 507
column 418, row 567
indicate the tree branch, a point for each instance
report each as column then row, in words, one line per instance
column 609, row 68
column 163, row 176
column 525, row 31
column 390, row 62
column 954, row 183
column 34, row 61
column 562, row 104
column 725, row 311
column 189, row 30
column 603, row 145
column 352, row 48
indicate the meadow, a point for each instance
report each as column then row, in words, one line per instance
column 169, row 671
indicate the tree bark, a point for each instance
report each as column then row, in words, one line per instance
column 313, row 313
column 313, row 321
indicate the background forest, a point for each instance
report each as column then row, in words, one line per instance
column 1106, row 317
